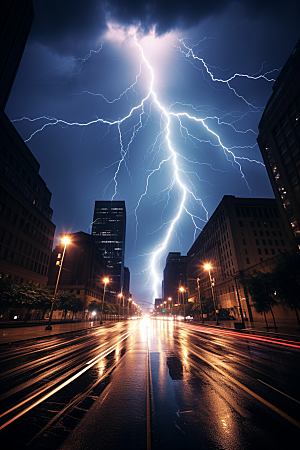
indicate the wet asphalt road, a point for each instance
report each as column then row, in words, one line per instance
column 157, row 384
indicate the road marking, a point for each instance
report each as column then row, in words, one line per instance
column 253, row 394
column 148, row 401
column 278, row 390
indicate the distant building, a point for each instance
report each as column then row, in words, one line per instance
column 109, row 231
column 242, row 235
column 126, row 284
column 279, row 141
column 26, row 228
column 157, row 302
column 175, row 276
column 83, row 268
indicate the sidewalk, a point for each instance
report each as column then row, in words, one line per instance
column 9, row 335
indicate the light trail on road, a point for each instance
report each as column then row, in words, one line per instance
column 81, row 365
column 251, row 337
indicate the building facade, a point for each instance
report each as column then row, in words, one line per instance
column 26, row 228
column 82, row 271
column 279, row 141
column 109, row 231
column 175, row 276
column 126, row 284
column 241, row 235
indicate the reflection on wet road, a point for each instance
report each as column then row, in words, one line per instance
column 152, row 384
column 219, row 391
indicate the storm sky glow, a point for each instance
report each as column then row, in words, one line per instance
column 159, row 121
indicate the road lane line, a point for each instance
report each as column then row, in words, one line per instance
column 148, row 401
column 278, row 390
column 249, row 391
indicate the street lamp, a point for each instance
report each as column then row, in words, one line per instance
column 65, row 241
column 105, row 281
column 129, row 300
column 170, row 300
column 182, row 290
column 198, row 285
column 212, row 283
column 120, row 296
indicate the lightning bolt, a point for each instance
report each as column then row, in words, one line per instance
column 175, row 115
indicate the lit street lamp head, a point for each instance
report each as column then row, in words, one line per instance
column 105, row 280
column 65, row 240
column 207, row 267
column 181, row 289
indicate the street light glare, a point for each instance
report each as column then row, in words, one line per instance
column 65, row 240
column 181, row 289
column 207, row 267
column 106, row 280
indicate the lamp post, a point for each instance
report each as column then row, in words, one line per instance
column 170, row 300
column 120, row 296
column 212, row 283
column 105, row 281
column 198, row 285
column 129, row 300
column 182, row 290
column 65, row 241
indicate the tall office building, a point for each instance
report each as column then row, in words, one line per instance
column 242, row 235
column 26, row 228
column 174, row 275
column 126, row 283
column 109, row 230
column 279, row 141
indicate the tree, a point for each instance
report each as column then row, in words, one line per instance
column 67, row 301
column 94, row 306
column 8, row 293
column 261, row 288
column 287, row 281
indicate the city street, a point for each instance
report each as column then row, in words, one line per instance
column 150, row 384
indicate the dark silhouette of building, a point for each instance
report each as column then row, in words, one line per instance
column 15, row 22
column 126, row 284
column 279, row 141
column 157, row 303
column 83, row 268
column 26, row 229
column 109, row 230
column 242, row 235
column 175, row 276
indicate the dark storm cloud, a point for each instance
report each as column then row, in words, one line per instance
column 68, row 27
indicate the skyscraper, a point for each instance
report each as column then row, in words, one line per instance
column 174, row 275
column 279, row 141
column 109, row 230
column 26, row 228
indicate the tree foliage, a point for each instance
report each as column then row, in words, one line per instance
column 28, row 295
column 287, row 280
column 67, row 301
column 261, row 288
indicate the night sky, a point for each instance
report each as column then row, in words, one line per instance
column 119, row 77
